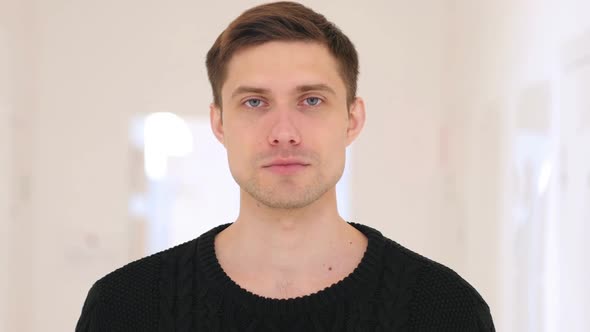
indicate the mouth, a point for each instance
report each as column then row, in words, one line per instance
column 286, row 168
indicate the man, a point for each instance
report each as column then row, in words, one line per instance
column 285, row 108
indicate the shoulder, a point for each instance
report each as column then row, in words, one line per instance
column 431, row 274
column 439, row 299
column 141, row 275
column 129, row 297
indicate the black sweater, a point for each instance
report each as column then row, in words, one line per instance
column 185, row 289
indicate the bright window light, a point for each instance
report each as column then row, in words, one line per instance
column 165, row 135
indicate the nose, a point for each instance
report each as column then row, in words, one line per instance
column 284, row 131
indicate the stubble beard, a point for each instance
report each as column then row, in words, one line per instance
column 288, row 192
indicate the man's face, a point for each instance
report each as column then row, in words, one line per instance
column 285, row 103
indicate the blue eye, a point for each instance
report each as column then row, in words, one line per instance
column 254, row 102
column 313, row 101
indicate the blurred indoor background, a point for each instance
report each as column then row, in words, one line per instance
column 476, row 151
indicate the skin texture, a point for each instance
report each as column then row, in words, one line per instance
column 287, row 100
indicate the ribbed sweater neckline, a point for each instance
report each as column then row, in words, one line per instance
column 360, row 283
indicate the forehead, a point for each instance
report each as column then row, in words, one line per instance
column 283, row 65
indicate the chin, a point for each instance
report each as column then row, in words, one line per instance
column 286, row 205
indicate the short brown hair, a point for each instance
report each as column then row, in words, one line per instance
column 281, row 21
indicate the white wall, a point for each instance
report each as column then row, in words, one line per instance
column 16, row 105
column 398, row 162
column 5, row 168
column 501, row 54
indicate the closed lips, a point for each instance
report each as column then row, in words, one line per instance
column 287, row 163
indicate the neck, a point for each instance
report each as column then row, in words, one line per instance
column 287, row 229
column 290, row 245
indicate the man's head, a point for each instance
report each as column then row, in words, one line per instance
column 280, row 21
column 286, row 81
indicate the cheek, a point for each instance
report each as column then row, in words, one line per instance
column 241, row 148
column 332, row 137
column 333, row 149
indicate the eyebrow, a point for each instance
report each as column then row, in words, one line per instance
column 248, row 89
column 300, row 89
column 315, row 87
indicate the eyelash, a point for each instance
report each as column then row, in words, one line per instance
column 320, row 101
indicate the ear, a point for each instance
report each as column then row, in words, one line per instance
column 216, row 118
column 356, row 120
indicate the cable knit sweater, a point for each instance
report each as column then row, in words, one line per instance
column 185, row 289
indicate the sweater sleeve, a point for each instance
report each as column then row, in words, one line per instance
column 443, row 301
column 88, row 321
